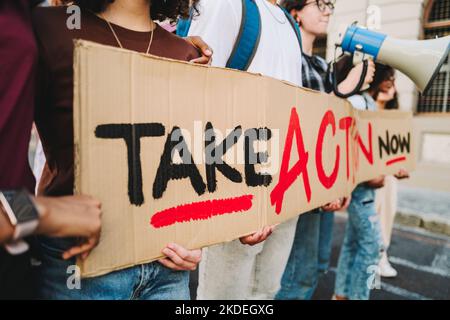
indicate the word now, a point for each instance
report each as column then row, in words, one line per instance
column 394, row 144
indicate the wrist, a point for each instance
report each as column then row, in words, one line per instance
column 19, row 209
column 44, row 214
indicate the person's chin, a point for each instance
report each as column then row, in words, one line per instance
column 324, row 27
column 323, row 32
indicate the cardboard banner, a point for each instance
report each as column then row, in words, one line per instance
column 199, row 155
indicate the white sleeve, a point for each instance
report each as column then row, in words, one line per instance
column 218, row 24
column 357, row 102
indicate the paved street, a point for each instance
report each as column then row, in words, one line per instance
column 425, row 208
column 421, row 258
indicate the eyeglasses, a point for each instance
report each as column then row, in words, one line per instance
column 322, row 4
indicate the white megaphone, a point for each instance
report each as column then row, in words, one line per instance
column 420, row 60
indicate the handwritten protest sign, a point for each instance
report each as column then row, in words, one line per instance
column 199, row 155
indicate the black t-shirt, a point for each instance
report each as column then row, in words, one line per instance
column 18, row 56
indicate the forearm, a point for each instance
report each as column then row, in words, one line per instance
column 345, row 87
column 6, row 229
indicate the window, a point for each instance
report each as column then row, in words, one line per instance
column 437, row 24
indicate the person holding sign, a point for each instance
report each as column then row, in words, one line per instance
column 310, row 253
column 22, row 214
column 386, row 197
column 361, row 251
column 119, row 23
column 249, row 40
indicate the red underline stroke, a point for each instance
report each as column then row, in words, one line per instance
column 399, row 159
column 201, row 210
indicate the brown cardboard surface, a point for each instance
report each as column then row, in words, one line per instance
column 122, row 95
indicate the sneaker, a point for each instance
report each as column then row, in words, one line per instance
column 386, row 270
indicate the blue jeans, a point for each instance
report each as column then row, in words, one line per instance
column 361, row 249
column 152, row 281
column 309, row 257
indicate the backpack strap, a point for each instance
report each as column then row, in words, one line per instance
column 294, row 26
column 183, row 25
column 249, row 35
column 248, row 38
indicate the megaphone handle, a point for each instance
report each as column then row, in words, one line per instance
column 359, row 86
column 366, row 86
column 360, row 57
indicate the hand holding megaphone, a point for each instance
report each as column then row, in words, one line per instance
column 353, row 78
column 420, row 60
column 358, row 61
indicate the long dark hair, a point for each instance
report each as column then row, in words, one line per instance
column 392, row 104
column 160, row 9
column 383, row 73
column 290, row 5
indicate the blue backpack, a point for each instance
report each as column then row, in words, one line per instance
column 249, row 34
